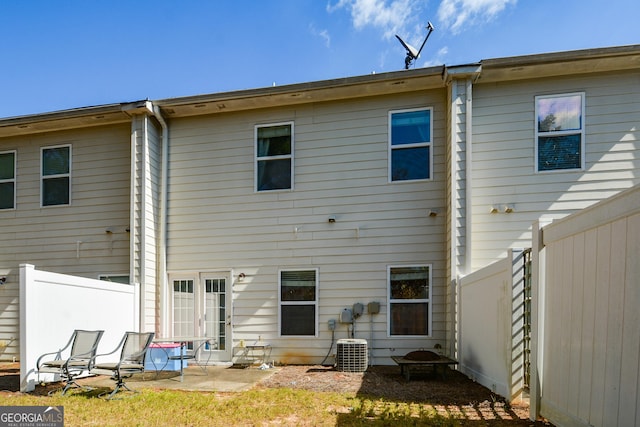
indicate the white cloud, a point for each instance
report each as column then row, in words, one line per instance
column 323, row 34
column 455, row 14
column 389, row 16
column 438, row 58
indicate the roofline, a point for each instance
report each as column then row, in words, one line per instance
column 488, row 70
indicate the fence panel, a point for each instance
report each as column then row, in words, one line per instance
column 590, row 349
column 53, row 305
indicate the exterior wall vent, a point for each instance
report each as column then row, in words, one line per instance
column 351, row 355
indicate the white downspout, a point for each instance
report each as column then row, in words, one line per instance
column 162, row 250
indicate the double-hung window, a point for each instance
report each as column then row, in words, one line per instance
column 56, row 175
column 409, row 300
column 274, row 157
column 8, row 180
column 559, row 132
column 298, row 302
column 410, row 141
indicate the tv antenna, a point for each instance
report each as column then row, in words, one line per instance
column 412, row 52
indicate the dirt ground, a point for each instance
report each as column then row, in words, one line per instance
column 473, row 404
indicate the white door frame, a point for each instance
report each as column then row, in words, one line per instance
column 191, row 320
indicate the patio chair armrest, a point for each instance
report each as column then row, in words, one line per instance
column 57, row 353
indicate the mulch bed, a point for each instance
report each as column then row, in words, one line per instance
column 475, row 404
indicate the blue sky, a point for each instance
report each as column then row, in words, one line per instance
column 59, row 55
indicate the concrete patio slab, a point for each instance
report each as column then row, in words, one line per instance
column 216, row 378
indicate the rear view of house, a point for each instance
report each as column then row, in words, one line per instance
column 302, row 214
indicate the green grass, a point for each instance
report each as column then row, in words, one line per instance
column 255, row 407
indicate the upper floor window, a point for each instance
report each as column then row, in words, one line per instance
column 56, row 175
column 298, row 302
column 274, row 157
column 409, row 300
column 410, row 139
column 560, row 132
column 8, row 180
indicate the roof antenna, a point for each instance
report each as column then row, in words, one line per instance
column 412, row 52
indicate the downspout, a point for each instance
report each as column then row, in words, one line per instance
column 162, row 250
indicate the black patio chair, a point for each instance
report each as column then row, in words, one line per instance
column 133, row 350
column 82, row 348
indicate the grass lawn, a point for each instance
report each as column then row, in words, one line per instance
column 280, row 406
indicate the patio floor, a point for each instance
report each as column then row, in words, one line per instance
column 217, row 378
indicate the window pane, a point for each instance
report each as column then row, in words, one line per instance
column 410, row 163
column 7, row 164
column 559, row 152
column 55, row 161
column 274, row 174
column 298, row 285
column 274, row 141
column 409, row 319
column 560, row 113
column 6, row 195
column 410, row 127
column 409, row 283
column 55, row 191
column 183, row 308
column 116, row 279
column 298, row 319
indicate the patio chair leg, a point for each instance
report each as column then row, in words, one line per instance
column 119, row 386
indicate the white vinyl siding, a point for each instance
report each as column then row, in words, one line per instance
column 7, row 180
column 145, row 221
column 68, row 239
column 218, row 221
column 504, row 157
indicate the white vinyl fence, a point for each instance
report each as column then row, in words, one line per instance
column 53, row 305
column 491, row 326
column 587, row 346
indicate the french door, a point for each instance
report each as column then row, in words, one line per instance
column 202, row 309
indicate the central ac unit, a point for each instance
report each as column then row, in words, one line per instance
column 351, row 355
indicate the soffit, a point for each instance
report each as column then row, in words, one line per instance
column 63, row 120
column 327, row 90
column 560, row 64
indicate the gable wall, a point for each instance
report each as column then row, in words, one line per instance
column 503, row 156
column 47, row 237
column 217, row 221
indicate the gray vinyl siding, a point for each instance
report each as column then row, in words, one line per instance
column 503, row 153
column 218, row 222
column 48, row 237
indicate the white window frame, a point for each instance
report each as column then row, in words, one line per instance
column 281, row 303
column 65, row 175
column 428, row 144
column 188, row 318
column 580, row 132
column 11, row 180
column 108, row 277
column 428, row 300
column 267, row 158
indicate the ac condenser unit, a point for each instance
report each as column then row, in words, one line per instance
column 351, row 355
